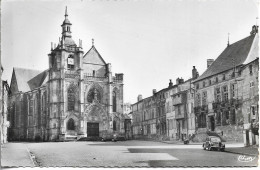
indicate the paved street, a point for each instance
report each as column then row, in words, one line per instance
column 129, row 153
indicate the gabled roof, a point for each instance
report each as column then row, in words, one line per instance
column 93, row 56
column 37, row 81
column 28, row 79
column 234, row 55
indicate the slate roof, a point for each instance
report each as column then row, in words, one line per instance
column 91, row 54
column 28, row 79
column 235, row 53
column 66, row 21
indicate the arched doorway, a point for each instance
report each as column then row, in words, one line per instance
column 71, row 124
column 96, row 119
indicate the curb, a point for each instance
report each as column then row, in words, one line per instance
column 239, row 153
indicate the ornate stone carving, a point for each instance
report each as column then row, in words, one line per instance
column 95, row 113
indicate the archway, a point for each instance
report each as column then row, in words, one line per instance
column 71, row 124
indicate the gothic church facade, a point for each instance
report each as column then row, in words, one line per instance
column 77, row 96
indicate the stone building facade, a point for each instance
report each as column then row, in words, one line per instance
column 221, row 90
column 76, row 96
column 4, row 112
column 167, row 114
column 149, row 116
column 179, row 108
column 250, row 102
column 137, row 118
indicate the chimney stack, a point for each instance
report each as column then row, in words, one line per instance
column 139, row 98
column 170, row 84
column 179, row 81
column 209, row 62
column 194, row 72
column 154, row 91
column 254, row 29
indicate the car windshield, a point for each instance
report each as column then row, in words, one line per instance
column 215, row 140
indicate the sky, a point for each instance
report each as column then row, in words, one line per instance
column 149, row 42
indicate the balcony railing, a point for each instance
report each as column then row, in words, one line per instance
column 71, row 74
column 178, row 99
column 117, row 80
column 224, row 104
column 94, row 78
column 203, row 108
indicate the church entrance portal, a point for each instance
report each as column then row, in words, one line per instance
column 93, row 129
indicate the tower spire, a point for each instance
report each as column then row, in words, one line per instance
column 66, row 13
column 66, row 25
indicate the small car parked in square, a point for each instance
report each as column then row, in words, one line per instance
column 213, row 143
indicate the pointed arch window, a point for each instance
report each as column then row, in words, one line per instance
column 114, row 125
column 94, row 94
column 71, row 124
column 114, row 101
column 71, row 98
column 70, row 62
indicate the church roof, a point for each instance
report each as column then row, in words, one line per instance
column 66, row 21
column 93, row 56
column 234, row 54
column 28, row 79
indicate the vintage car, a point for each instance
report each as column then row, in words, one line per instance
column 213, row 143
column 113, row 137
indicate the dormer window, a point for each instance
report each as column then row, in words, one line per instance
column 71, row 62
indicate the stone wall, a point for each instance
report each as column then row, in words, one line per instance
column 230, row 133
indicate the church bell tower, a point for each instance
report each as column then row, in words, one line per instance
column 65, row 84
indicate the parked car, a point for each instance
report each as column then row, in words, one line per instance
column 113, row 137
column 213, row 143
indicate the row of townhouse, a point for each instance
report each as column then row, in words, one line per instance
column 167, row 114
column 223, row 100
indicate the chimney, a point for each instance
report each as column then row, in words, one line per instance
column 140, row 97
column 209, row 62
column 254, row 29
column 177, row 81
column 170, row 84
column 181, row 80
column 194, row 73
column 154, row 91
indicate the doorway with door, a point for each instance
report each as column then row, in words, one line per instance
column 92, row 129
column 212, row 123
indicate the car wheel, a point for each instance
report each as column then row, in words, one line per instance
column 222, row 150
